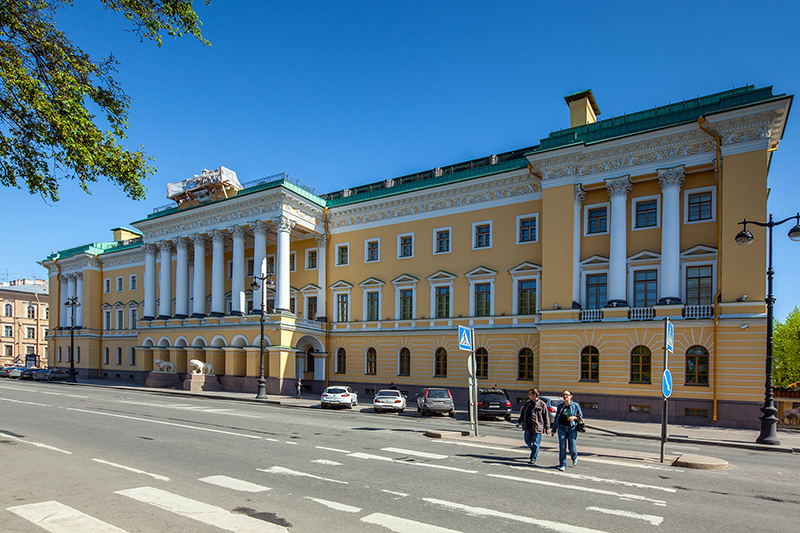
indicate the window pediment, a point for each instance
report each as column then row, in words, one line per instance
column 595, row 260
column 341, row 285
column 441, row 275
column 699, row 252
column 525, row 268
column 645, row 256
column 405, row 279
column 481, row 272
column 371, row 282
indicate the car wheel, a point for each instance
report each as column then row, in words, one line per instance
column 376, row 409
column 322, row 406
column 451, row 414
column 419, row 410
column 507, row 418
column 401, row 410
column 350, row 405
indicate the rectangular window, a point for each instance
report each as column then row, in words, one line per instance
column 645, row 288
column 30, row 333
column 372, row 362
column 596, row 291
column 29, row 350
column 120, row 319
column 342, row 255
column 696, row 369
column 8, row 331
column 442, row 244
column 700, row 206
column 342, row 305
column 702, row 413
column 271, row 264
column 442, row 302
column 483, row 236
column 597, row 222
column 132, row 283
column 525, row 364
column 406, row 304
column 250, row 268
column 373, row 251
column 119, row 284
column 405, row 246
column 647, row 214
column 292, row 261
column 699, row 285
column 526, row 294
column 107, row 285
column 527, row 229
column 9, row 350
column 372, row 306
column 639, row 408
column 311, row 260
column 106, row 319
column 405, row 363
column 483, row 299
column 640, row 368
column 134, row 317
column 312, row 307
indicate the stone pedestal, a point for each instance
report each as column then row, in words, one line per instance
column 196, row 382
column 164, row 380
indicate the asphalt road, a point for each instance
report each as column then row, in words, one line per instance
column 83, row 459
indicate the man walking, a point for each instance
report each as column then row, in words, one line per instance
column 535, row 420
column 299, row 385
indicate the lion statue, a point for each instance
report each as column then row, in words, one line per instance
column 164, row 366
column 198, row 367
column 790, row 414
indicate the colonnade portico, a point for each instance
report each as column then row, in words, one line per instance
column 71, row 287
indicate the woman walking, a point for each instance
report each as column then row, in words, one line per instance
column 567, row 416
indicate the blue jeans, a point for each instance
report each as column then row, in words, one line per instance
column 532, row 440
column 567, row 437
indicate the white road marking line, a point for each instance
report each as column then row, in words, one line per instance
column 58, row 518
column 403, row 525
column 187, row 407
column 578, row 488
column 415, row 453
column 37, row 444
column 654, row 520
column 202, row 512
column 332, row 449
column 326, row 462
column 50, row 393
column 336, row 505
column 26, row 403
column 634, row 464
column 286, row 472
column 130, row 469
column 588, row 478
column 480, row 511
column 401, row 494
column 234, row 484
column 271, row 440
column 165, row 423
column 290, row 442
column 78, row 396
column 359, row 455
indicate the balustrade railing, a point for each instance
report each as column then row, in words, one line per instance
column 591, row 315
column 641, row 313
column 698, row 311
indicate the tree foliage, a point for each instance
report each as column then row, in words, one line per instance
column 48, row 86
column 786, row 350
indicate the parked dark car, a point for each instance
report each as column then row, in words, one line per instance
column 4, row 371
column 495, row 403
column 27, row 373
column 50, row 374
column 435, row 400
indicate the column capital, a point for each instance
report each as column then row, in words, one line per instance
column 78, row 275
column 322, row 240
column 283, row 223
column 165, row 246
column 580, row 194
column 619, row 187
column 218, row 236
column 238, row 232
column 65, row 278
column 199, row 239
column 671, row 177
column 149, row 248
column 260, row 227
column 182, row 243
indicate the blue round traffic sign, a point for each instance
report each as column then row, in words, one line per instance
column 666, row 383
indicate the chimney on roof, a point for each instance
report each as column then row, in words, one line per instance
column 583, row 108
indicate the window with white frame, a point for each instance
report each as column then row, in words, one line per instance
column 343, row 254
column 120, row 286
column 645, row 287
column 699, row 205
column 251, row 263
column 311, row 258
column 525, row 286
column 120, row 319
column 595, row 290
column 134, row 316
column 481, row 291
column 132, row 282
column 105, row 356
column 372, row 250
column 107, row 319
column 482, row 235
column 527, row 228
column 405, row 297
column 405, row 246
column 441, row 240
column 699, row 285
column 107, row 285
column 292, row 261
column 271, row 264
column 441, row 291
column 31, row 311
column 595, row 219
column 645, row 212
column 341, row 298
column 30, row 333
column 311, row 307
column 371, row 290
column 8, row 331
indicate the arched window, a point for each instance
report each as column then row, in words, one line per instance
column 31, row 311
column 404, row 362
column 372, row 361
column 440, row 363
column 590, row 364
column 482, row 363
column 9, row 310
column 525, row 364
column 105, row 356
column 133, row 356
column 77, row 354
column 119, row 355
column 640, row 364
column 697, row 366
column 341, row 361
column 59, row 354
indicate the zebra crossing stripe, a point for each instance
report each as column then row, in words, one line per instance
column 202, row 512
column 234, row 484
column 59, row 518
column 403, row 525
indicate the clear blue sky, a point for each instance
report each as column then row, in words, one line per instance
column 340, row 94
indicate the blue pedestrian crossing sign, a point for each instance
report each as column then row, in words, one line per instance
column 465, row 338
column 666, row 383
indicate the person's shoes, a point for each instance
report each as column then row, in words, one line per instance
column 575, row 462
column 532, row 461
column 562, row 468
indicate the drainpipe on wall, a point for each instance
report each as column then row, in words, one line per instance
column 327, row 322
column 718, row 294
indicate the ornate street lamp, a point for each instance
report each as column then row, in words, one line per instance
column 268, row 284
column 769, row 419
column 72, row 302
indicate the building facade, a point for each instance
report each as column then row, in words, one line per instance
column 565, row 256
column 24, row 322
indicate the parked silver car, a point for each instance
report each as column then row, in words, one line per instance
column 50, row 374
column 552, row 404
column 339, row 396
column 435, row 400
column 389, row 400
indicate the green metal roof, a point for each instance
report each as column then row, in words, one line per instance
column 95, row 248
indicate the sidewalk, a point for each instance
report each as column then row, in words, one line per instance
column 707, row 435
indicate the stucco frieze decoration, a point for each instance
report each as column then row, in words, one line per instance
column 283, row 223
column 260, row 227
column 239, row 232
column 671, row 178
column 322, row 240
column 126, row 257
column 619, row 187
column 580, row 194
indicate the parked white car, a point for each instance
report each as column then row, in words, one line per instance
column 389, row 400
column 339, row 396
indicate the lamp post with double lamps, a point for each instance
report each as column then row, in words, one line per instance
column 268, row 284
column 72, row 302
column 769, row 419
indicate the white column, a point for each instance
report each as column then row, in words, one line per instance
column 669, row 286
column 260, row 229
column 618, row 190
column 322, row 246
column 577, row 231
column 63, row 315
column 237, row 280
column 190, row 289
column 217, row 273
column 199, row 282
column 149, row 281
column 284, row 227
column 71, row 288
column 165, row 281
column 182, row 278
column 79, row 294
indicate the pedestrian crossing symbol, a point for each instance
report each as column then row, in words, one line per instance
column 465, row 338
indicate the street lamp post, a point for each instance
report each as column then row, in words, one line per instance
column 72, row 302
column 769, row 419
column 268, row 284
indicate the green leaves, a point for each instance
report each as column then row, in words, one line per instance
column 786, row 350
column 47, row 134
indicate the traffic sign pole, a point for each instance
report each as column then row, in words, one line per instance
column 666, row 380
column 466, row 341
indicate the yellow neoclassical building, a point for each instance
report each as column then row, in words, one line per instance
column 565, row 257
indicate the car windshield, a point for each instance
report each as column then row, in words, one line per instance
column 388, row 393
column 335, row 391
column 493, row 397
column 438, row 394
